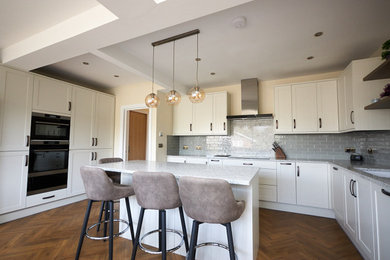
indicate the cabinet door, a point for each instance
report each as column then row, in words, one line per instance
column 381, row 198
column 365, row 223
column 338, row 194
column 341, row 102
column 77, row 159
column 176, row 159
column 102, row 153
column 13, row 180
column 82, row 118
column 327, row 106
column 350, row 204
column 52, row 96
column 312, row 185
column 104, row 121
column 286, row 183
column 349, row 112
column 304, row 107
column 15, row 109
column 196, row 160
column 203, row 116
column 182, row 117
column 220, row 113
column 283, row 114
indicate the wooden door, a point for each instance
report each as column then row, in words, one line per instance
column 137, row 136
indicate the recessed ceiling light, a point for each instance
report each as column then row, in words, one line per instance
column 116, row 76
column 318, row 34
column 239, row 22
column 85, row 63
column 159, row 1
column 310, row 57
column 212, row 73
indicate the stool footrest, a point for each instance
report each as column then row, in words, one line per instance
column 213, row 244
column 158, row 252
column 106, row 237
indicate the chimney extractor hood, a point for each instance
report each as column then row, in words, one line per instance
column 249, row 101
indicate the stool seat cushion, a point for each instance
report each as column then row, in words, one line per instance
column 209, row 200
column 156, row 190
column 98, row 186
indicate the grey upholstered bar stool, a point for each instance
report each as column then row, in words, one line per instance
column 158, row 191
column 116, row 178
column 99, row 187
column 209, row 201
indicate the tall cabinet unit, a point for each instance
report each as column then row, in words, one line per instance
column 15, row 109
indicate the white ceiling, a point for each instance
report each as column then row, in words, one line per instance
column 274, row 44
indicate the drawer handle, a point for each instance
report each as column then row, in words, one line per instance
column 224, row 126
column 214, row 160
column 297, row 171
column 320, row 122
column 285, row 163
column 247, row 163
column 385, row 192
column 335, row 168
column 191, row 127
column 48, row 197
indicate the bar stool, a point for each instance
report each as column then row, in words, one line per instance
column 158, row 191
column 209, row 201
column 116, row 178
column 99, row 187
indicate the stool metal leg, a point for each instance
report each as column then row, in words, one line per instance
column 194, row 240
column 230, row 240
column 100, row 215
column 130, row 219
column 141, row 217
column 159, row 228
column 83, row 229
column 106, row 217
column 184, row 228
column 111, row 235
column 164, row 235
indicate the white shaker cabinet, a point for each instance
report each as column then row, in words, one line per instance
column 350, row 203
column 312, row 184
column 381, row 208
column 345, row 97
column 13, row 180
column 182, row 117
column 203, row 116
column 338, row 194
column 286, row 185
column 304, row 107
column 327, row 106
column 92, row 123
column 52, row 96
column 15, row 109
column 78, row 158
column 283, row 115
column 220, row 107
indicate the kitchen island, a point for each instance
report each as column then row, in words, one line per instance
column 244, row 183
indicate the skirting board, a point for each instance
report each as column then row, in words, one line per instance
column 40, row 208
column 326, row 213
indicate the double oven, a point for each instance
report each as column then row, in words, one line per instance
column 49, row 153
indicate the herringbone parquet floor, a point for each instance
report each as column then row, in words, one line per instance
column 54, row 235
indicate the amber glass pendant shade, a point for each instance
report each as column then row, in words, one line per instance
column 173, row 97
column 152, row 100
column 196, row 95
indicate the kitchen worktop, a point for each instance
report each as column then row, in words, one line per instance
column 233, row 175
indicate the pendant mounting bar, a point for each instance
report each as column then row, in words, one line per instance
column 176, row 37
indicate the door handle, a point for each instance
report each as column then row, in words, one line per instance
column 350, row 187
column 295, row 124
column 277, row 124
column 91, row 156
column 211, row 126
column 336, row 169
column 320, row 122
column 26, row 162
column 224, row 126
column 96, row 141
column 191, row 127
column 353, row 188
column 385, row 192
column 350, row 117
column 95, row 156
column 27, row 141
column 297, row 171
column 93, row 141
column 69, row 106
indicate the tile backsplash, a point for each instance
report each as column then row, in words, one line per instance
column 254, row 138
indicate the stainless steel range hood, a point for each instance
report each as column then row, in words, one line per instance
column 249, row 101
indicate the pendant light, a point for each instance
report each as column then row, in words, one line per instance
column 152, row 99
column 173, row 97
column 196, row 94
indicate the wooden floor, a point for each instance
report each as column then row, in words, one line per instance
column 54, row 235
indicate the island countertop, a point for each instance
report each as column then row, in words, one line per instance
column 232, row 174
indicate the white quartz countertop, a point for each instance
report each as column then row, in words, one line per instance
column 232, row 174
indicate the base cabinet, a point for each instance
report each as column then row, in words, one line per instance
column 338, row 195
column 13, row 180
column 286, row 182
column 381, row 209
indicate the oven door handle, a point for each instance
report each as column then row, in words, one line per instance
column 50, row 150
column 51, row 123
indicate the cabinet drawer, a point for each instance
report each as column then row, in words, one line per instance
column 196, row 160
column 215, row 162
column 46, row 197
column 267, row 176
column 176, row 159
column 267, row 193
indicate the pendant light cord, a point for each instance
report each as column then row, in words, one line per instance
column 197, row 59
column 153, row 72
column 173, row 65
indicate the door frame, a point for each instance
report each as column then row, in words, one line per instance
column 124, row 130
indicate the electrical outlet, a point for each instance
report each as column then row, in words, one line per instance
column 185, row 147
column 350, row 150
column 198, row 147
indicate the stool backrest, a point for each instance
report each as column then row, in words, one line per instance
column 98, row 186
column 156, row 190
column 208, row 200
column 110, row 160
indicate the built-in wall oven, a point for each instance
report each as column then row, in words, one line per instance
column 49, row 153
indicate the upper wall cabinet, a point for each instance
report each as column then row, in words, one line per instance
column 15, row 109
column 52, row 96
column 206, row 118
column 346, row 112
column 306, row 108
column 92, row 123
